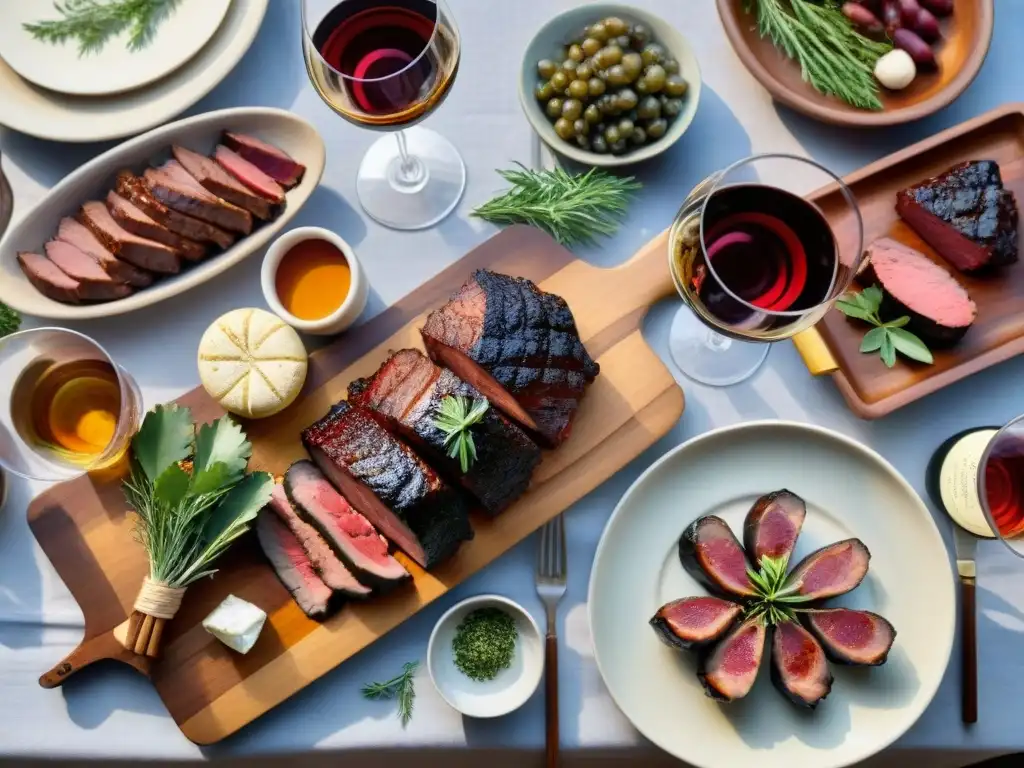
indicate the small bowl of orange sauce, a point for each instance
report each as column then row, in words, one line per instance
column 313, row 281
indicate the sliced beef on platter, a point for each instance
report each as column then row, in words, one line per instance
column 773, row 525
column 799, row 669
column 858, row 638
column 710, row 553
column 77, row 234
column 268, row 158
column 93, row 283
column 516, row 345
column 694, row 622
column 293, row 567
column 174, row 187
column 363, row 551
column 249, row 175
column 48, row 279
column 328, row 567
column 143, row 253
column 136, row 190
column 213, row 177
column 383, row 479
column 407, row 392
column 939, row 308
column 965, row 214
column 729, row 668
column 831, row 571
column 136, row 221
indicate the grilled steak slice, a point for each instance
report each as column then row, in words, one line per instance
column 518, row 346
column 93, row 283
column 328, row 567
column 293, row 567
column 172, row 186
column 147, row 254
column 133, row 219
column 965, row 214
column 384, row 480
column 77, row 234
column 221, row 183
column 48, row 279
column 406, row 393
column 136, row 190
column 249, row 175
column 268, row 158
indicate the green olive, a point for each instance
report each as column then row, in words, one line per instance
column 569, row 67
column 672, row 107
column 560, row 81
column 626, row 127
column 653, row 54
column 585, row 71
column 591, row 46
column 611, row 134
column 617, row 76
column 592, row 114
column 639, row 137
column 596, row 87
column 554, row 108
column 564, row 129
column 655, row 77
column 576, row 53
column 544, row 91
column 641, row 87
column 610, row 106
column 546, row 68
column 640, row 36
column 649, row 108
column 609, row 56
column 675, row 86
column 580, row 127
column 572, row 109
column 619, row 147
column 599, row 145
column 627, row 99
column 598, row 32
column 615, row 26
column 656, row 128
column 633, row 63
column 583, row 141
column 578, row 89
column 671, row 66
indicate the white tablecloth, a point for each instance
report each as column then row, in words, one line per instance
column 114, row 713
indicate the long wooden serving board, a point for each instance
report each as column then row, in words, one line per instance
column 85, row 528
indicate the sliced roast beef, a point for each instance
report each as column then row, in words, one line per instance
column 77, row 234
column 388, row 483
column 328, row 567
column 213, row 177
column 249, row 175
column 293, row 567
column 48, row 278
column 939, row 308
column 729, row 668
column 831, row 571
column 694, row 622
column 133, row 219
column 851, row 637
column 406, row 394
column 93, row 283
column 174, row 187
column 773, row 525
column 710, row 553
column 136, row 190
column 355, row 541
column 799, row 669
column 516, row 345
column 965, row 214
column 268, row 158
column 143, row 253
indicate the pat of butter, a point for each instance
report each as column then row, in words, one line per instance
column 236, row 623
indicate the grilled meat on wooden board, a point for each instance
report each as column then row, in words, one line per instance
column 694, row 622
column 799, row 669
column 384, row 480
column 214, row 178
column 136, row 190
column 965, row 214
column 773, row 525
column 850, row 637
column 48, row 278
column 293, row 567
column 729, row 668
column 710, row 553
column 249, row 175
column 830, row 571
column 143, row 253
column 518, row 346
column 77, row 234
column 407, row 392
column 268, row 158
column 93, row 283
column 174, row 187
column 133, row 219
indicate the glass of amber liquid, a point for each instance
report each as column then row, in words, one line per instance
column 72, row 409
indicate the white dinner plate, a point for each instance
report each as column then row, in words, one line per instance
column 60, row 117
column 92, row 181
column 850, row 492
column 114, row 68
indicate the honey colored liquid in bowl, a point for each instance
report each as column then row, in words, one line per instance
column 313, row 280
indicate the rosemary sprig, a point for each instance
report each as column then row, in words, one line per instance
column 402, row 687
column 885, row 338
column 572, row 208
column 773, row 601
column 92, row 22
column 10, row 321
column 454, row 417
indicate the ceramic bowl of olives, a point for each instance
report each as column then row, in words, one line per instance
column 609, row 85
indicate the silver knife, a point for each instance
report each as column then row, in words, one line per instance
column 966, row 545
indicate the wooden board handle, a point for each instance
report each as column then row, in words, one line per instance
column 551, row 699
column 815, row 352
column 645, row 279
column 98, row 648
column 969, row 652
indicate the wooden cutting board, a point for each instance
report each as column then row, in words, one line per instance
column 84, row 527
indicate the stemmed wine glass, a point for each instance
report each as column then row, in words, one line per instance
column 1001, row 485
column 385, row 65
column 757, row 262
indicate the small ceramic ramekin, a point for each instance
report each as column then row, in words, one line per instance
column 343, row 316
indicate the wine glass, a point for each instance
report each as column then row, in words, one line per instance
column 1001, row 485
column 385, row 65
column 757, row 262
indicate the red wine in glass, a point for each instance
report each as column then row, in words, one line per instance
column 1004, row 484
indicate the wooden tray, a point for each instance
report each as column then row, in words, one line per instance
column 84, row 528
column 871, row 389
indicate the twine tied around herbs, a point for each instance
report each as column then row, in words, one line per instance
column 155, row 605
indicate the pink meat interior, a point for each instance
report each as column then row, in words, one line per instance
column 725, row 557
column 832, row 569
column 922, row 284
column 699, row 611
column 350, row 522
column 850, row 629
column 800, row 652
column 743, row 654
column 776, row 534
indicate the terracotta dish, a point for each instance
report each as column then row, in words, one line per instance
column 967, row 35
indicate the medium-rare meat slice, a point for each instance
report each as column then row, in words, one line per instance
column 518, row 346
column 773, row 525
column 407, row 392
column 293, row 567
column 328, row 567
column 728, row 669
column 143, row 253
column 138, row 222
column 174, row 187
column 799, row 669
column 272, row 161
column 249, row 175
column 939, row 308
column 694, row 622
column 221, row 183
column 136, row 190
column 831, row 571
column 384, row 480
column 77, row 234
column 965, row 214
column 93, row 283
column 711, row 554
column 48, row 278
column 353, row 539
column 851, row 637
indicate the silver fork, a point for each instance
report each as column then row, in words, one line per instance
column 551, row 567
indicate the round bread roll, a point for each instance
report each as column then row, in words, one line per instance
column 252, row 363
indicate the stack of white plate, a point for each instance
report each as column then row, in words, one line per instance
column 50, row 91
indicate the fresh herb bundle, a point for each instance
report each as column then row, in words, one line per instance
column 772, row 601
column 401, row 687
column 572, row 208
column 10, row 321
column 885, row 338
column 455, row 416
column 484, row 644
column 92, row 22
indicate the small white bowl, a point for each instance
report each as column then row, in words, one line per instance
column 343, row 316
column 512, row 687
